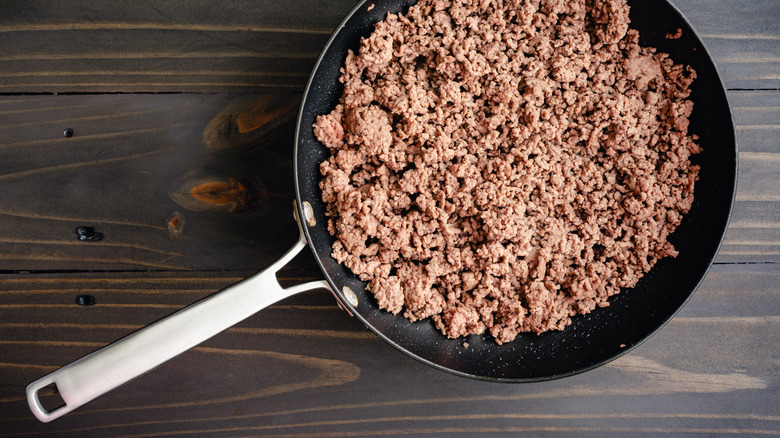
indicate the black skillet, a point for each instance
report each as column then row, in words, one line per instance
column 602, row 335
column 591, row 340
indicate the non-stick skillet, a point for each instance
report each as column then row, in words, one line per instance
column 591, row 340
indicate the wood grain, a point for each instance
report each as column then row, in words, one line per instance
column 163, row 46
column 181, row 156
column 265, row 377
column 754, row 231
column 153, row 150
column 178, row 46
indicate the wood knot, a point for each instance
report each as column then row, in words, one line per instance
column 248, row 123
column 232, row 193
column 209, row 193
column 175, row 223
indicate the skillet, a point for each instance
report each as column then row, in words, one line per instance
column 590, row 341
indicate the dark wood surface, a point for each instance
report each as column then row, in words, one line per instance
column 181, row 157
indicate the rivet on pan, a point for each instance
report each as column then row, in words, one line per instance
column 308, row 214
column 351, row 297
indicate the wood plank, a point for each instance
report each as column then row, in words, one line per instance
column 151, row 151
column 742, row 38
column 304, row 368
column 244, row 46
column 209, row 179
column 754, row 231
column 154, row 149
column 294, row 16
column 163, row 46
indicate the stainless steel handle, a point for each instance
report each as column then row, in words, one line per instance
column 98, row 373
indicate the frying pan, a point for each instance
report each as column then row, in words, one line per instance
column 590, row 341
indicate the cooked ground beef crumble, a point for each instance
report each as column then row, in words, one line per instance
column 502, row 166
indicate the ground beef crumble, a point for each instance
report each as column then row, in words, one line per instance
column 676, row 35
column 501, row 166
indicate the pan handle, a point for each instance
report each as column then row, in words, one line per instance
column 98, row 373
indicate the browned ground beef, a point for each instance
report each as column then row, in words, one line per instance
column 502, row 166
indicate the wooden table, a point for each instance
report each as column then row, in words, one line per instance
column 180, row 156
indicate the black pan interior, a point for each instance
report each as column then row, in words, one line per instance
column 594, row 339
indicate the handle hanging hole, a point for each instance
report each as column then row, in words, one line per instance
column 50, row 397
